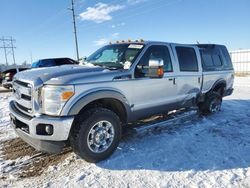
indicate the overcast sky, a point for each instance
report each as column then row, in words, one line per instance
column 44, row 28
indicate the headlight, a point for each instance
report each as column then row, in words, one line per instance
column 55, row 97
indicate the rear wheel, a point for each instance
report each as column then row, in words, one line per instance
column 212, row 103
column 96, row 134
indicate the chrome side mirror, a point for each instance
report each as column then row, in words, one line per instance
column 156, row 68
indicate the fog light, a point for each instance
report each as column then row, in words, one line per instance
column 44, row 129
column 49, row 129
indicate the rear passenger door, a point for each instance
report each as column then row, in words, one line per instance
column 189, row 72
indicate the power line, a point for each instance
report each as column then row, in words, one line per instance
column 8, row 47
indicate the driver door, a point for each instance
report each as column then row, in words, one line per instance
column 154, row 95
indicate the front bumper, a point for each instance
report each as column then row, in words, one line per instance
column 26, row 127
column 41, row 145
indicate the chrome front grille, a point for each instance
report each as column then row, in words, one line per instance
column 22, row 93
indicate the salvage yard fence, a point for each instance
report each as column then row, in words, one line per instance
column 241, row 61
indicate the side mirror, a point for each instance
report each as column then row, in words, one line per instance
column 156, row 69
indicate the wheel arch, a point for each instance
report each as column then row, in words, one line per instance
column 109, row 99
column 219, row 86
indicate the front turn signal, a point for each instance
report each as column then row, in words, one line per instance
column 66, row 95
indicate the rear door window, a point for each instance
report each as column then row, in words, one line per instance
column 187, row 59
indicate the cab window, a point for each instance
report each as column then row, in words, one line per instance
column 157, row 52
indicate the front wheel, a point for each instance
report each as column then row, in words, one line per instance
column 96, row 134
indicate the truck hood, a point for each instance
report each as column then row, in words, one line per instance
column 65, row 74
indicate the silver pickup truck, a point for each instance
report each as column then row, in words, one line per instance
column 87, row 106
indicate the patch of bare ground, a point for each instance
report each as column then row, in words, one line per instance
column 41, row 164
column 37, row 163
column 16, row 148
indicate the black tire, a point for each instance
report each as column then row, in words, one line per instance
column 212, row 104
column 81, row 129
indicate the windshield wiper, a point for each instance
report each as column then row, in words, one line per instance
column 107, row 67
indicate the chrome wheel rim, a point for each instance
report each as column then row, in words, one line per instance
column 215, row 105
column 100, row 136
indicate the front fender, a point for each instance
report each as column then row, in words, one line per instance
column 75, row 107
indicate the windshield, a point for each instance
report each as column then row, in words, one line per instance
column 117, row 56
column 43, row 63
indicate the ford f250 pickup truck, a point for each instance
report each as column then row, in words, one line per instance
column 87, row 106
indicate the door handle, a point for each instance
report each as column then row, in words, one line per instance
column 172, row 79
column 199, row 80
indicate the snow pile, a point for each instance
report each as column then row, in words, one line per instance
column 5, row 127
column 194, row 151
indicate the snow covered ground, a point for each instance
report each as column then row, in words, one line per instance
column 212, row 151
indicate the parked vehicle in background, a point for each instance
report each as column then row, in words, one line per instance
column 1, row 78
column 53, row 62
column 87, row 106
column 8, row 76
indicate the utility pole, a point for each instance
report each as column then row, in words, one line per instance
column 5, row 53
column 74, row 25
column 31, row 58
column 8, row 47
column 12, row 49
